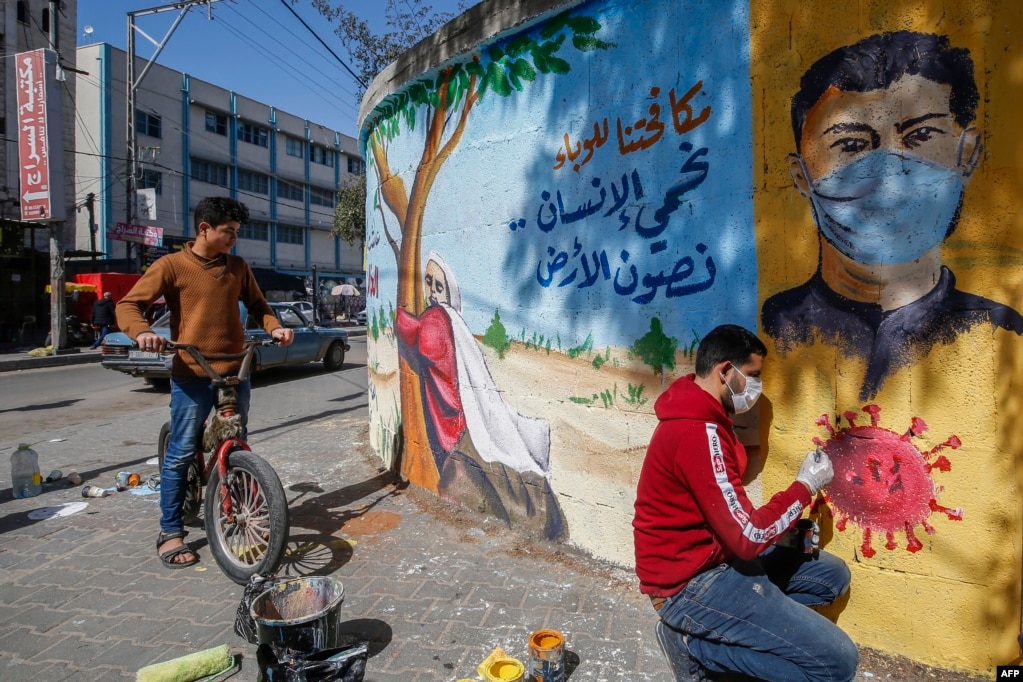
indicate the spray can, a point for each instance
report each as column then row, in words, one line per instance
column 122, row 480
column 55, row 475
column 94, row 491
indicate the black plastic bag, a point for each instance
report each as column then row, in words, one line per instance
column 244, row 624
column 343, row 664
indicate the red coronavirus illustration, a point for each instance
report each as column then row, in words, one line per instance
column 882, row 481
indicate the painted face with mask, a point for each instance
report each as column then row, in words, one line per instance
column 885, row 170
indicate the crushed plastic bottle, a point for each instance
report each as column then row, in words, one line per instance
column 74, row 478
column 94, row 491
column 26, row 480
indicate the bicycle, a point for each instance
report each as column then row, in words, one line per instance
column 246, row 511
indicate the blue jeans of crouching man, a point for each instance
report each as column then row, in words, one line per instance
column 190, row 404
column 753, row 617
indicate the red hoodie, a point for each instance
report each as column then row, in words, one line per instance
column 692, row 512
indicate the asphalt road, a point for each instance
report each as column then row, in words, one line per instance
column 56, row 397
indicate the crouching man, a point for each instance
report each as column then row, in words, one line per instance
column 728, row 598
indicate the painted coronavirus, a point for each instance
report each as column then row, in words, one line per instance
column 883, row 482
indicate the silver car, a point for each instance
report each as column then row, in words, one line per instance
column 312, row 344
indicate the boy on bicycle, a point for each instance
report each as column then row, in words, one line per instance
column 202, row 285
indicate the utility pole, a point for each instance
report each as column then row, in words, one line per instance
column 58, row 328
column 90, row 207
column 133, row 84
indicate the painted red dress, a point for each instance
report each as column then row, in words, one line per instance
column 490, row 457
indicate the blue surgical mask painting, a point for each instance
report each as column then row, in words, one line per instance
column 886, row 208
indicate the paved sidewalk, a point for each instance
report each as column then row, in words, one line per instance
column 435, row 588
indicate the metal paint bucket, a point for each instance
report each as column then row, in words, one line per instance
column 504, row 670
column 300, row 615
column 547, row 656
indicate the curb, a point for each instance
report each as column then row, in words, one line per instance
column 14, row 362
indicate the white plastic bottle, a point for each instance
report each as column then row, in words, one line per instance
column 26, row 479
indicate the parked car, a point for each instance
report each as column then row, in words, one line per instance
column 307, row 310
column 360, row 317
column 312, row 344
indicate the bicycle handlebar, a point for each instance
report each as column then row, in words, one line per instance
column 204, row 360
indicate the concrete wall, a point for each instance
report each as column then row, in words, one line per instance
column 628, row 179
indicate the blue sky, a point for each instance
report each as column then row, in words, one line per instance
column 255, row 47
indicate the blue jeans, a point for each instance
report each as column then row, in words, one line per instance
column 103, row 331
column 752, row 617
column 190, row 405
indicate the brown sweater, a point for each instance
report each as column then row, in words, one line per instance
column 203, row 303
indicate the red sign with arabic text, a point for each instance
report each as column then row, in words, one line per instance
column 30, row 70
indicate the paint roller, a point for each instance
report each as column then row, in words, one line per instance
column 188, row 668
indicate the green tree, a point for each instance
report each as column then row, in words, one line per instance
column 409, row 22
column 350, row 212
column 656, row 349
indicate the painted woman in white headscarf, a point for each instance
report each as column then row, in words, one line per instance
column 488, row 455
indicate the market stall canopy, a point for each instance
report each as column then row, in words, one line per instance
column 271, row 280
column 344, row 290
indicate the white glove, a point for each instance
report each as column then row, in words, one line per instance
column 816, row 471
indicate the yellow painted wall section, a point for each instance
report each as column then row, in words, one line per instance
column 955, row 601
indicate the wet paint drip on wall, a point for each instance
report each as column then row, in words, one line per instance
column 883, row 482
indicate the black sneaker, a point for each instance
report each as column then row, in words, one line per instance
column 683, row 666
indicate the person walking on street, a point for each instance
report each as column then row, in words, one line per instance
column 104, row 317
column 203, row 285
column 729, row 597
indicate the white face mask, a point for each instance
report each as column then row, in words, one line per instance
column 743, row 402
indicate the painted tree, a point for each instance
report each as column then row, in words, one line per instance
column 442, row 105
column 656, row 349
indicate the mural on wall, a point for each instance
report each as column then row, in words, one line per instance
column 583, row 257
column 883, row 482
column 885, row 147
column 489, row 456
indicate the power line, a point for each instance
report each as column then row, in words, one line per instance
column 340, row 61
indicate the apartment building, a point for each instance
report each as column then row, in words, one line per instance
column 195, row 139
column 27, row 25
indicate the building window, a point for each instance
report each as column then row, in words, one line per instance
column 23, row 11
column 253, row 134
column 148, row 124
column 295, row 147
column 208, row 171
column 292, row 192
column 251, row 181
column 151, row 179
column 321, row 197
column 256, row 230
column 216, row 123
column 356, row 165
column 321, row 155
column 290, row 234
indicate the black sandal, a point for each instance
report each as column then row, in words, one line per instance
column 167, row 558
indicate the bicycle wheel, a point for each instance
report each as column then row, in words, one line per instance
column 193, row 481
column 254, row 542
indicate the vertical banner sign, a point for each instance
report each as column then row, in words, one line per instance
column 40, row 131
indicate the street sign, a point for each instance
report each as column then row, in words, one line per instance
column 139, row 234
column 40, row 132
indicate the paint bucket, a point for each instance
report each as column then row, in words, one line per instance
column 301, row 615
column 504, row 670
column 547, row 656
